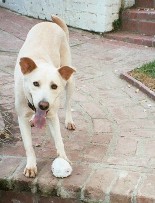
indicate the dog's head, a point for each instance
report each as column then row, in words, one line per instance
column 43, row 82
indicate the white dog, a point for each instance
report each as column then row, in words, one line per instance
column 42, row 71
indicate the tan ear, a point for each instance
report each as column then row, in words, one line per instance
column 66, row 72
column 27, row 65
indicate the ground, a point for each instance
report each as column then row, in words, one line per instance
column 113, row 147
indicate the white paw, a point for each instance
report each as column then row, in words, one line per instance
column 61, row 168
column 70, row 125
column 30, row 172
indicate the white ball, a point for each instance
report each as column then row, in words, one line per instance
column 61, row 168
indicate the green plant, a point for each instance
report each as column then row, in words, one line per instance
column 148, row 69
column 118, row 23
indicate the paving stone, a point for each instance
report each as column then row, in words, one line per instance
column 8, row 166
column 73, row 184
column 102, row 125
column 146, row 190
column 2, row 125
column 123, row 189
column 102, row 138
column 10, row 196
column 10, row 43
column 47, row 183
column 99, row 183
column 126, row 146
column 149, row 148
column 92, row 150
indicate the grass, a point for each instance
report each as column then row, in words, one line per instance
column 145, row 74
column 148, row 69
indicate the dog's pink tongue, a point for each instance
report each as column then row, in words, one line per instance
column 39, row 118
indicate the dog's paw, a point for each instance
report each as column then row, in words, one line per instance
column 70, row 125
column 30, row 172
column 63, row 156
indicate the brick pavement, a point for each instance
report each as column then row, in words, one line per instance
column 113, row 147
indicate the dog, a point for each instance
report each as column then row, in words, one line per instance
column 43, row 70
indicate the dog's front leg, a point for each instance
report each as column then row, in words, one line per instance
column 69, row 123
column 31, row 168
column 54, row 126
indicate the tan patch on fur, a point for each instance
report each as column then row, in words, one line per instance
column 66, row 72
column 27, row 65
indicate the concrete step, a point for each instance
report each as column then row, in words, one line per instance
column 132, row 38
column 145, row 3
column 140, row 21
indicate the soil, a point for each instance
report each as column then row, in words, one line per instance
column 143, row 78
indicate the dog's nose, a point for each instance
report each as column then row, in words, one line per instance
column 43, row 105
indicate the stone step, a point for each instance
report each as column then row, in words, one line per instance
column 145, row 3
column 140, row 21
column 132, row 38
column 147, row 14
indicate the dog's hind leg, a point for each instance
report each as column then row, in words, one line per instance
column 69, row 123
column 31, row 168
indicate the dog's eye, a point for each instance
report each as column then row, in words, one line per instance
column 54, row 86
column 36, row 84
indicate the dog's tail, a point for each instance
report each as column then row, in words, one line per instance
column 62, row 24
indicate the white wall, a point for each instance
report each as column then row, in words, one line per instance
column 93, row 15
column 128, row 3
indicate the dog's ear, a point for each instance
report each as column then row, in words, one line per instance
column 27, row 65
column 66, row 72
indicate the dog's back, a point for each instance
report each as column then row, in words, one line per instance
column 45, row 39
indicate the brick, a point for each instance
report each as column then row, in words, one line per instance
column 130, row 25
column 74, row 149
column 121, row 160
column 119, row 113
column 126, row 146
column 143, row 28
column 8, row 166
column 102, row 125
column 148, row 42
column 74, row 183
column 84, row 138
column 21, row 183
column 124, row 187
column 100, row 181
column 56, row 200
column 25, row 197
column 11, row 43
column 136, row 124
column 93, row 110
column 13, row 150
column 138, row 133
column 92, row 150
column 144, row 3
column 102, row 138
column 2, row 125
column 149, row 148
column 146, row 15
column 46, row 182
column 132, row 38
column 138, row 40
column 11, row 196
column 146, row 190
column 129, row 14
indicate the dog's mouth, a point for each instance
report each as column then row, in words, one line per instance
column 39, row 119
